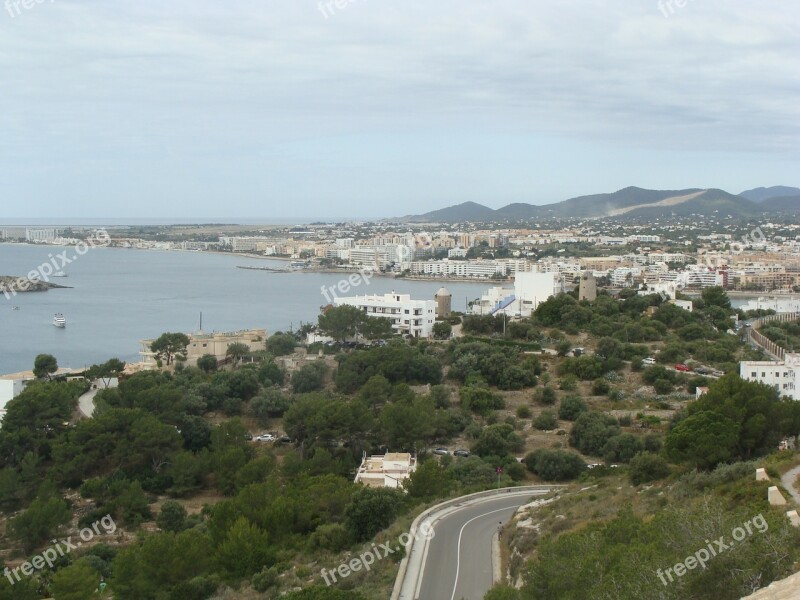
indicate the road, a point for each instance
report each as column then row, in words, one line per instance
column 86, row 401
column 788, row 481
column 458, row 563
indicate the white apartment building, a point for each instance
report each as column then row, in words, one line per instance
column 780, row 375
column 530, row 290
column 408, row 317
column 782, row 305
column 457, row 253
column 471, row 268
column 47, row 234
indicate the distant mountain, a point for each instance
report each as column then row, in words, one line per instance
column 630, row 201
column 781, row 204
column 466, row 211
column 760, row 194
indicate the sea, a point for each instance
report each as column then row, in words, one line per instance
column 118, row 297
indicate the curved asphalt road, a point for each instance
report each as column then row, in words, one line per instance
column 458, row 564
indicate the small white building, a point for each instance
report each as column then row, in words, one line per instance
column 408, row 317
column 387, row 471
column 530, row 289
column 780, row 375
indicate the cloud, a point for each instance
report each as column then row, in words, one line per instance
column 189, row 99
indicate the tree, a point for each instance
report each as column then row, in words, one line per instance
column 106, row 371
column 376, row 328
column 591, row 431
column 646, row 467
column 554, row 465
column 498, row 440
column 172, row 517
column 237, row 352
column 571, row 408
column 442, row 330
column 310, row 377
column 716, row 296
column 169, row 346
column 78, row 581
column 42, row 520
column 281, row 344
column 372, row 510
column 245, row 550
column 207, row 363
column 430, row 480
column 45, row 365
column 622, row 448
column 341, row 322
column 703, row 439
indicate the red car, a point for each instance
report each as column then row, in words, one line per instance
column 681, row 367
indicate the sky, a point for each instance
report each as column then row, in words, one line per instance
column 356, row 109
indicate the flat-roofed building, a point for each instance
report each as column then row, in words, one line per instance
column 387, row 471
column 408, row 317
column 215, row 344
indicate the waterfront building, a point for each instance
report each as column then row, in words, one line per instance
column 215, row 344
column 408, row 317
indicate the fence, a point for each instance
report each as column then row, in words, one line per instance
column 764, row 342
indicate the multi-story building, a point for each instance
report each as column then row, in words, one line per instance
column 408, row 317
column 780, row 375
column 530, row 290
column 43, row 235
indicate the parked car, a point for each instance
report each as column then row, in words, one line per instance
column 441, row 451
column 703, row 370
column 682, row 367
column 649, row 361
column 285, row 439
column 578, row 351
column 265, row 437
column 464, row 453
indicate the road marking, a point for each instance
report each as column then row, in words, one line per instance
column 460, row 533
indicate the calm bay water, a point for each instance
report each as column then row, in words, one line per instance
column 119, row 297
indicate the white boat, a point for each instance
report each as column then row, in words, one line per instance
column 59, row 274
column 15, row 308
column 60, row 321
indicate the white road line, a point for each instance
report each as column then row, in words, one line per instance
column 460, row 533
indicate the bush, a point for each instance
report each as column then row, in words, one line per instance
column 546, row 421
column 571, row 408
column 310, row 378
column 172, row 517
column 600, row 387
column 622, row 448
column 480, row 400
column 331, row 536
column 591, row 432
column 662, row 386
column 646, row 467
column 554, row 465
column 524, row 412
column 546, row 396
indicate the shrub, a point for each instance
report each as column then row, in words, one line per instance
column 571, row 408
column 524, row 412
column 554, row 465
column 546, row 396
column 545, row 421
column 647, row 466
column 591, row 431
column 600, row 387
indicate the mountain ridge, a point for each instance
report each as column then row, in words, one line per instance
column 630, row 201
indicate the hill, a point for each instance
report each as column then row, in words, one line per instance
column 760, row 194
column 630, row 201
column 781, row 204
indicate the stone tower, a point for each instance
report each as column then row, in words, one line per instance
column 444, row 303
column 588, row 287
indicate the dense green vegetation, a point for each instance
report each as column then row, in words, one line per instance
column 171, row 451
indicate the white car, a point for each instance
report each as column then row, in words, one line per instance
column 264, row 437
column 649, row 361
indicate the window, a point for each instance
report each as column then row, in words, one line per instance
column 753, row 374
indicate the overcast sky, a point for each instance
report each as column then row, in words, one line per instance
column 287, row 109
